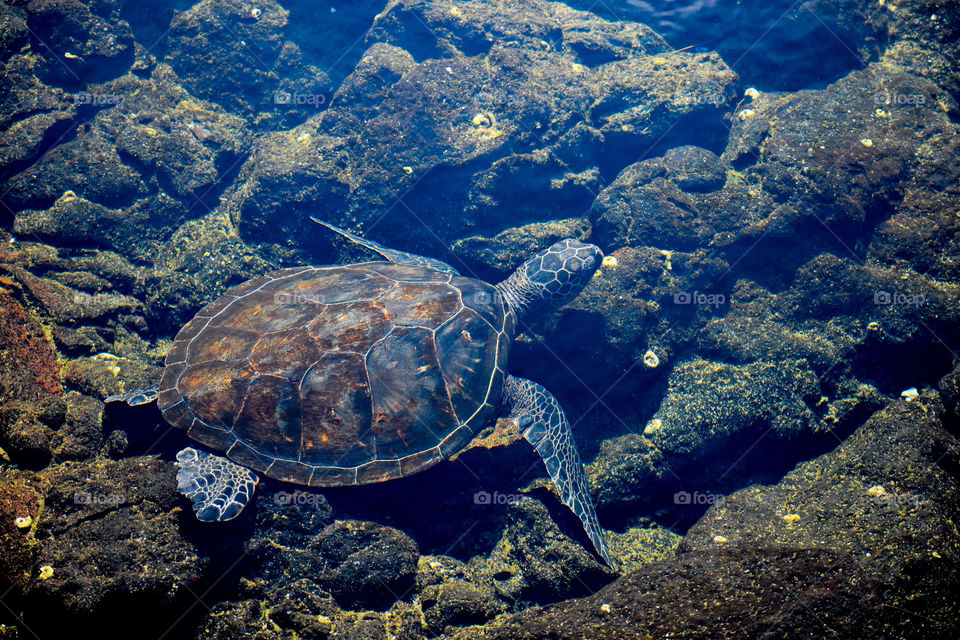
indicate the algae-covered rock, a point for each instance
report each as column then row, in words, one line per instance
column 886, row 497
column 296, row 611
column 457, row 603
column 365, row 565
column 110, row 533
column 554, row 117
column 233, row 52
column 105, row 374
column 199, row 262
column 135, row 173
column 27, row 357
column 534, row 562
column 80, row 42
column 21, row 498
column 707, row 402
column 712, row 416
column 68, row 306
column 506, row 250
column 838, row 157
column 719, row 594
column 654, row 202
column 13, row 30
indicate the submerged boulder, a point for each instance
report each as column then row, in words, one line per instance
column 457, row 129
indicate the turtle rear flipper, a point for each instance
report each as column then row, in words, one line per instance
column 136, row 397
column 545, row 426
column 219, row 488
column 399, row 257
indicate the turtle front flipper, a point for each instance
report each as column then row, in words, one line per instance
column 135, row 398
column 545, row 426
column 400, row 257
column 219, row 488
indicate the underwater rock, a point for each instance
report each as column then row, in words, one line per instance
column 452, row 593
column 365, row 565
column 649, row 203
column 474, row 26
column 28, row 360
column 110, row 532
column 505, row 251
column 152, row 154
column 456, row 603
column 105, row 374
column 885, row 497
column 88, row 165
column 713, row 415
column 467, row 124
column 28, row 428
column 296, row 611
column 233, row 52
column 707, row 402
column 66, row 305
column 21, row 496
column 836, row 161
column 743, row 592
column 80, row 42
column 26, row 139
column 922, row 235
column 200, row 261
column 950, row 394
column 534, row 562
column 81, row 436
column 13, row 30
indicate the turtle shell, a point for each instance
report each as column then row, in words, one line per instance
column 341, row 375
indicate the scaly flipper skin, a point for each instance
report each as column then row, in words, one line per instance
column 219, row 488
column 135, row 398
column 400, row 257
column 545, row 426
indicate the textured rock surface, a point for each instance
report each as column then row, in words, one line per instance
column 780, row 266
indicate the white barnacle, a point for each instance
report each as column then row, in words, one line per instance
column 650, row 359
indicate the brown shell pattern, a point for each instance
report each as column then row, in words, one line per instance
column 330, row 376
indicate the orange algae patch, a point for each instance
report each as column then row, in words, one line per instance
column 25, row 350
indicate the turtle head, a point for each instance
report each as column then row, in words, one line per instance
column 553, row 277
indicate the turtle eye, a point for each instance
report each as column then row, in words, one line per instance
column 588, row 263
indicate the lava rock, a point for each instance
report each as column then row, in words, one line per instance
column 264, row 73
column 884, row 497
column 81, row 42
column 365, row 565
column 653, row 202
column 111, row 535
column 534, row 562
column 456, row 603
column 425, row 135
column 21, row 495
column 720, row 594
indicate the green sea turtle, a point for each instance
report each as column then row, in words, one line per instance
column 352, row 374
